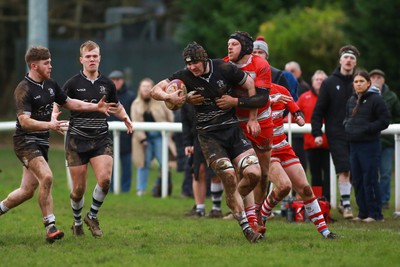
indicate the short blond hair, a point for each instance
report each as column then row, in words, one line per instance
column 89, row 46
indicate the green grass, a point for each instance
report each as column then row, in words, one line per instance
column 147, row 231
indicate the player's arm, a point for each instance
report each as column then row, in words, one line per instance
column 298, row 116
column 101, row 106
column 30, row 124
column 158, row 93
column 258, row 97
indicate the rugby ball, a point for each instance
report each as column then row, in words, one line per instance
column 172, row 87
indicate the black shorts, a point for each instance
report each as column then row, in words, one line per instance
column 27, row 150
column 79, row 152
column 339, row 149
column 224, row 143
column 198, row 159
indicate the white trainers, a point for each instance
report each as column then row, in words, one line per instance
column 347, row 213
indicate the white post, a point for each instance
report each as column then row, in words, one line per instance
column 164, row 165
column 397, row 175
column 333, row 182
column 116, row 167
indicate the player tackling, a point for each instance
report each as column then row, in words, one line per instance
column 222, row 141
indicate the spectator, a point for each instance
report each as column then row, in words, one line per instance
column 366, row 116
column 387, row 141
column 318, row 156
column 126, row 98
column 295, row 69
column 334, row 92
column 147, row 145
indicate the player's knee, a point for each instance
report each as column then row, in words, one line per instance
column 284, row 189
column 307, row 191
column 105, row 185
column 224, row 169
column 249, row 161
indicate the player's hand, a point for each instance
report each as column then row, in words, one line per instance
column 280, row 98
column 253, row 127
column 194, row 98
column 300, row 120
column 176, row 98
column 104, row 107
column 129, row 125
column 189, row 150
column 318, row 141
column 226, row 102
column 56, row 125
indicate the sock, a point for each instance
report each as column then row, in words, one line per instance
column 242, row 220
column 49, row 221
column 313, row 211
column 251, row 214
column 216, row 195
column 3, row 208
column 77, row 210
column 345, row 189
column 98, row 198
column 200, row 207
column 269, row 203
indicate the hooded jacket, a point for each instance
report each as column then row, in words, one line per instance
column 393, row 104
column 371, row 118
column 330, row 107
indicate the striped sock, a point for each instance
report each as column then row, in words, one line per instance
column 269, row 203
column 49, row 221
column 313, row 211
column 98, row 198
column 216, row 195
column 251, row 214
column 77, row 210
column 345, row 189
column 242, row 220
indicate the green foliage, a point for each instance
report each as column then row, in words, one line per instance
column 375, row 29
column 309, row 35
column 147, row 231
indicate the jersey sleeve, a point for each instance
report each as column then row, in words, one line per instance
column 60, row 96
column 22, row 98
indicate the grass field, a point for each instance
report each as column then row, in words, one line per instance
column 147, row 231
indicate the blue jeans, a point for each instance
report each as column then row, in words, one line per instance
column 364, row 165
column 387, row 154
column 126, row 173
column 153, row 150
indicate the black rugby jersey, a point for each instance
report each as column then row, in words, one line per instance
column 36, row 99
column 88, row 125
column 222, row 77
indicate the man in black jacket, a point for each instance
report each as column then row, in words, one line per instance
column 330, row 109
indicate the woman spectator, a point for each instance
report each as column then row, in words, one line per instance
column 366, row 116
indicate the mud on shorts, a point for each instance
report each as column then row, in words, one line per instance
column 225, row 143
column 284, row 156
column 198, row 159
column 28, row 150
column 263, row 141
column 79, row 151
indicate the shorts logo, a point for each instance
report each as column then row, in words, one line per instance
column 338, row 87
column 220, row 83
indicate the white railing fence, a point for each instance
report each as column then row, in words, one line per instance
column 167, row 127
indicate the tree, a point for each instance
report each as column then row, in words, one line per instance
column 375, row 29
column 310, row 36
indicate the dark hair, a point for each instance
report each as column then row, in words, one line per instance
column 36, row 53
column 362, row 73
column 349, row 49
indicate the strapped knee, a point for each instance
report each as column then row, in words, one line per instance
column 222, row 165
column 247, row 161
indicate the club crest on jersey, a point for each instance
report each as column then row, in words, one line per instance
column 102, row 90
column 51, row 91
column 220, row 83
column 338, row 87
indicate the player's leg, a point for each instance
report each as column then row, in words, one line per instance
column 302, row 187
